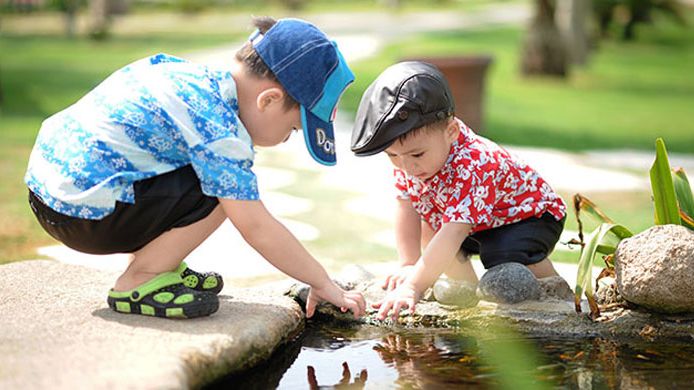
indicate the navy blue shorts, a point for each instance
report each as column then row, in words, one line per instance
column 162, row 203
column 527, row 242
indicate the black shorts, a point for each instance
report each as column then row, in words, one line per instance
column 162, row 203
column 527, row 242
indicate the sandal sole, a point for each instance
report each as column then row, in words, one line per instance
column 191, row 310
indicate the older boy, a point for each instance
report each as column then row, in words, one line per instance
column 153, row 159
column 459, row 192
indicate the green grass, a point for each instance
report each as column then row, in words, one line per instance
column 310, row 6
column 629, row 94
column 632, row 209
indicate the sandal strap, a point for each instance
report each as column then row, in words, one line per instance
column 181, row 267
column 158, row 282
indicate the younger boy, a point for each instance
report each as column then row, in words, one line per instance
column 459, row 192
column 153, row 160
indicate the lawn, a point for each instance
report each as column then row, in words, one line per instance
column 628, row 95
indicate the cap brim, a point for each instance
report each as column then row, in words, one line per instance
column 319, row 136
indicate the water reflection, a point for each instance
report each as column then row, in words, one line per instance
column 344, row 383
column 375, row 358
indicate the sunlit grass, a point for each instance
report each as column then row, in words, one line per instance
column 628, row 94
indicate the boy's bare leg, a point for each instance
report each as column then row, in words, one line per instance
column 460, row 268
column 543, row 269
column 165, row 253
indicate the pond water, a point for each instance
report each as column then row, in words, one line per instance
column 376, row 358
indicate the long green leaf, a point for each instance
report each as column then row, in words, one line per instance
column 582, row 203
column 666, row 210
column 685, row 198
column 599, row 241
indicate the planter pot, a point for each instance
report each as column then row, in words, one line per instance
column 465, row 75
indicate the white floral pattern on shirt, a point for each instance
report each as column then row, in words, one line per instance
column 481, row 184
column 153, row 116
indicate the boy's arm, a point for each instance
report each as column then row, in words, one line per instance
column 437, row 255
column 407, row 232
column 279, row 246
column 408, row 242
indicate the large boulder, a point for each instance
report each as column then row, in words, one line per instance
column 654, row 269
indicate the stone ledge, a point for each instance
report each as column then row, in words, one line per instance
column 58, row 332
column 549, row 317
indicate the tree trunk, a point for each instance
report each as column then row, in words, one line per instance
column 99, row 21
column 573, row 18
column 70, row 15
column 1, row 93
column 543, row 50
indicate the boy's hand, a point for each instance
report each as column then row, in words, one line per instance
column 396, row 278
column 405, row 296
column 345, row 300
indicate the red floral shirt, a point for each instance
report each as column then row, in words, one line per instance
column 481, row 184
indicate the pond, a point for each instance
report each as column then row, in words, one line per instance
column 369, row 357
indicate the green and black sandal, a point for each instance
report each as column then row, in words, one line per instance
column 208, row 281
column 164, row 296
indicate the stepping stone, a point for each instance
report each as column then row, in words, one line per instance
column 508, row 283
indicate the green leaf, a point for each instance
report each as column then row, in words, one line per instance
column 601, row 240
column 666, row 210
column 685, row 198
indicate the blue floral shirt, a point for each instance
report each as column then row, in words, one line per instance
column 151, row 117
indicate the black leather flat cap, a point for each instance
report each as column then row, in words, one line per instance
column 406, row 96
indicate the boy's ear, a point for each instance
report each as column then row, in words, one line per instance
column 269, row 97
column 452, row 130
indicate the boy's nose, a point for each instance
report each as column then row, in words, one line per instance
column 409, row 165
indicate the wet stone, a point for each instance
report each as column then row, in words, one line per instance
column 455, row 292
column 508, row 283
column 555, row 287
column 607, row 293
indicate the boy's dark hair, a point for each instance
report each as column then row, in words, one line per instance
column 437, row 125
column 249, row 57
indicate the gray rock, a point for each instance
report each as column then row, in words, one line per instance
column 508, row 283
column 654, row 269
column 607, row 293
column 455, row 292
column 555, row 287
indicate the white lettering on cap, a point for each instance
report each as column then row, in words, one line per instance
column 323, row 141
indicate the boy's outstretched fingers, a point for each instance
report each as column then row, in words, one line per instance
column 384, row 309
column 345, row 300
column 355, row 301
column 310, row 307
column 401, row 304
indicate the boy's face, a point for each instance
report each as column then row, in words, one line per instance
column 269, row 122
column 423, row 153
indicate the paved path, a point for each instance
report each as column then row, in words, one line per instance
column 58, row 333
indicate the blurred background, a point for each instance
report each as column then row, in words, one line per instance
column 571, row 76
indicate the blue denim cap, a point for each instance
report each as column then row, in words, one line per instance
column 312, row 71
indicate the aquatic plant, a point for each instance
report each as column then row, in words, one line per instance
column 604, row 240
column 673, row 202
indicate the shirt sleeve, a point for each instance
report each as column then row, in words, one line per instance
column 471, row 194
column 221, row 175
column 401, row 185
